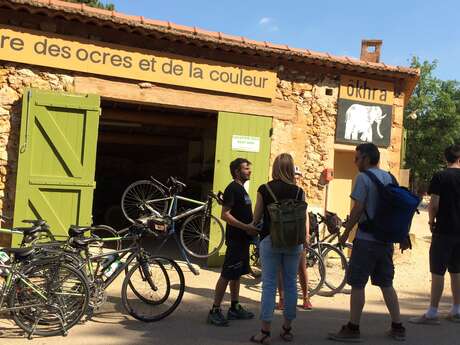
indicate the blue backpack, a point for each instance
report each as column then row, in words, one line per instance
column 395, row 209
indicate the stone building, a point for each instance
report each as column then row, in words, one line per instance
column 91, row 100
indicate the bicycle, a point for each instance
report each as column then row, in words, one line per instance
column 95, row 254
column 316, row 270
column 44, row 297
column 335, row 260
column 152, row 280
column 159, row 203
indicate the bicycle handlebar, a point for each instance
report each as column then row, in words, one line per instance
column 218, row 197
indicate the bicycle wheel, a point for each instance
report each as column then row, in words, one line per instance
column 105, row 233
column 136, row 200
column 67, row 295
column 159, row 288
column 195, row 235
column 254, row 261
column 336, row 266
column 316, row 271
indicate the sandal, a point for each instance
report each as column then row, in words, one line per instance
column 265, row 339
column 286, row 334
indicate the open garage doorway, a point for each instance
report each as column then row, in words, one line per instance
column 139, row 141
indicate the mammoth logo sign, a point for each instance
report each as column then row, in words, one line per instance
column 364, row 111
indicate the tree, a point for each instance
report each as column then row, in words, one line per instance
column 432, row 121
column 95, row 3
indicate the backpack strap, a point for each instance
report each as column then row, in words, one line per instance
column 297, row 194
column 271, row 192
column 377, row 182
column 395, row 181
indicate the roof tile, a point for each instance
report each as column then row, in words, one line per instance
column 201, row 33
column 181, row 27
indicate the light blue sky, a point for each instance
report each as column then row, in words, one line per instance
column 428, row 29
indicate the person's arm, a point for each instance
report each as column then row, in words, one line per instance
column 433, row 208
column 353, row 219
column 258, row 209
column 230, row 220
column 359, row 196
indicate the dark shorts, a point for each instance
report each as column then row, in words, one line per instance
column 371, row 259
column 236, row 263
column 444, row 254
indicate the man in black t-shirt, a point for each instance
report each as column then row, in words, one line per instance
column 237, row 213
column 444, row 221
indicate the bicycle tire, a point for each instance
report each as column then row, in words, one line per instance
column 135, row 197
column 195, row 238
column 105, row 231
column 315, row 265
column 128, row 303
column 23, row 319
column 254, row 261
column 336, row 265
column 152, row 285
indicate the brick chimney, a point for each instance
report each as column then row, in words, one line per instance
column 370, row 50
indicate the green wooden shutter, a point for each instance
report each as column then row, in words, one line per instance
column 228, row 126
column 57, row 156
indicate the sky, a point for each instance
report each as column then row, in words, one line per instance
column 427, row 29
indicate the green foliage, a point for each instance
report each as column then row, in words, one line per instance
column 432, row 121
column 94, row 3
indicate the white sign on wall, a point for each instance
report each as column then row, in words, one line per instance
column 245, row 143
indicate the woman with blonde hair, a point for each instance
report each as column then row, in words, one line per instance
column 282, row 186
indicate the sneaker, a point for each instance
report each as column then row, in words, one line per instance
column 398, row 333
column 453, row 317
column 346, row 335
column 423, row 320
column 216, row 318
column 239, row 313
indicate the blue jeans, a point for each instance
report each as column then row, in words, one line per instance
column 272, row 259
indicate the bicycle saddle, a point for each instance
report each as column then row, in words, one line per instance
column 29, row 230
column 75, row 230
column 82, row 241
column 35, row 222
column 19, row 253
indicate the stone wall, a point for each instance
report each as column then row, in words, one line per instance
column 14, row 79
column 309, row 137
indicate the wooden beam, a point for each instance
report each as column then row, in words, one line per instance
column 159, row 119
column 130, row 92
column 139, row 139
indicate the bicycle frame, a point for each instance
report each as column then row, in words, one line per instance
column 172, row 214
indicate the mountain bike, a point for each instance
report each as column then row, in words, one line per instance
column 316, row 270
column 335, row 260
column 158, row 203
column 44, row 297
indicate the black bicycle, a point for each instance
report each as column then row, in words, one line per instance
column 331, row 251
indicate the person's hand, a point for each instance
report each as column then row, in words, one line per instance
column 251, row 230
column 406, row 244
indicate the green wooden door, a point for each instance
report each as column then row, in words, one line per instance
column 232, row 130
column 57, row 157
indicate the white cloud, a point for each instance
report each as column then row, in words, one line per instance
column 265, row 20
column 268, row 24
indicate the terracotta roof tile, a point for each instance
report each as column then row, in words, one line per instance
column 155, row 22
column 192, row 33
column 127, row 17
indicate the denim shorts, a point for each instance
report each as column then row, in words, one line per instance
column 371, row 259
